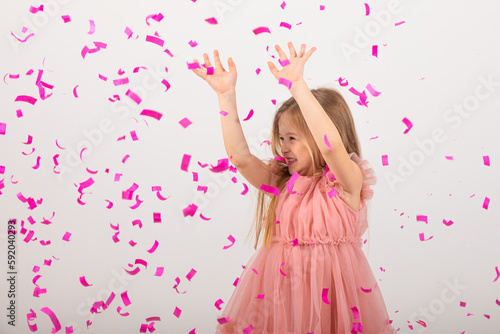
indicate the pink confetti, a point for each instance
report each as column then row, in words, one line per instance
column 74, row 91
column 375, row 50
column 210, row 70
column 325, row 296
column 343, row 84
column 137, row 203
column 486, row 203
column 66, row 18
column 486, row 160
column 422, row 238
column 261, row 30
column 185, row 162
column 192, row 44
column 155, row 246
column 53, row 318
column 284, row 63
column 408, row 124
column 365, row 290
column 177, row 312
column 223, row 113
column 257, row 71
column 211, row 20
column 3, row 128
column 37, row 163
column 328, row 143
column 25, row 98
column 83, row 281
column 92, row 27
column 372, row 90
column 192, row 66
column 190, row 210
column 19, row 113
column 122, row 81
column 367, row 9
column 399, row 23
column 355, row 312
column 133, row 96
column 155, row 40
column 282, row 273
column 185, row 122
column 498, row 274
column 166, row 83
column 385, row 160
column 35, row 9
column 230, row 238
column 422, row 218
column 156, row 217
column 283, row 4
column 128, row 32
column 270, row 189
column 250, row 114
column 125, row 299
column 151, row 113
column 285, row 82
column 159, row 271
column 157, row 17
column 133, row 135
column 321, row 7
column 103, row 78
column 218, row 303
column 286, row 25
column 448, row 223
column 66, row 236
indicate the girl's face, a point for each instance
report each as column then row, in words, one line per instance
column 293, row 149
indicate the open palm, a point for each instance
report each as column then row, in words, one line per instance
column 221, row 80
column 293, row 67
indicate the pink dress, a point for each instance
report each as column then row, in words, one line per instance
column 281, row 288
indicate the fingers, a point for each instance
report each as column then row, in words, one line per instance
column 309, row 53
column 280, row 52
column 232, row 65
column 199, row 72
column 207, row 60
column 273, row 69
column 302, row 50
column 218, row 63
column 292, row 50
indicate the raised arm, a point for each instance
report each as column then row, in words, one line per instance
column 224, row 83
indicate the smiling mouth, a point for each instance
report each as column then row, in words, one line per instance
column 291, row 162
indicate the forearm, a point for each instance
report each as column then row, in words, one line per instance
column 234, row 139
column 317, row 119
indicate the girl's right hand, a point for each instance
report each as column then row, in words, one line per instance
column 221, row 81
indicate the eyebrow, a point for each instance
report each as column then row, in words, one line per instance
column 289, row 133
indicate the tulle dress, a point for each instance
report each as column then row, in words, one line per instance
column 282, row 289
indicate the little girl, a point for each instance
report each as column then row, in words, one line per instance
column 310, row 274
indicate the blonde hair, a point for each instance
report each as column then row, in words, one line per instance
column 337, row 109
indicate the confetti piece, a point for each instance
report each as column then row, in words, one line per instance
column 185, row 122
column 37, row 165
column 486, row 203
column 408, row 124
column 192, row 44
column 257, row 71
column 223, row 113
column 177, row 312
column 286, row 25
column 190, row 210
column 422, row 218
column 155, row 246
column 486, row 160
column 167, row 85
column 151, row 113
column 192, row 66
column 83, row 281
column 325, row 296
column 157, row 17
column 328, row 143
column 285, row 82
column 53, row 318
column 125, row 299
column 66, row 18
column 35, row 9
column 103, row 78
column 375, row 50
column 372, row 90
column 128, row 32
column 284, row 63
column 365, row 290
column 399, row 23
column 321, row 7
column 283, row 4
column 137, row 203
column 118, row 82
column 385, row 160
column 22, row 40
column 343, row 84
column 185, row 162
column 211, row 20
column 155, row 40
column 282, row 273
column 218, row 303
column 270, row 189
column 74, row 91
column 250, row 114
column 210, row 70
column 261, row 30
column 422, row 238
column 66, row 236
column 133, row 96
column 3, row 128
column 92, row 27
column 159, row 271
column 230, row 238
column 25, row 98
column 367, row 9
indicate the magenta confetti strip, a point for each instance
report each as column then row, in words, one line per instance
column 185, row 162
column 210, row 70
column 284, row 63
column 3, row 128
column 283, row 4
column 328, row 143
column 285, row 82
column 191, row 274
column 22, row 40
column 122, row 81
column 486, row 160
column 74, row 91
column 375, row 50
column 92, row 27
column 291, row 182
column 192, row 44
column 211, row 20
column 190, row 210
column 185, row 122
column 53, row 318
column 486, row 203
column 192, row 66
column 343, row 84
column 133, row 135
column 37, row 163
column 448, row 223
column 222, row 165
column 261, row 30
column 250, row 114
column 367, row 9
column 422, row 218
column 25, row 98
column 321, row 7
column 151, row 113
column 155, row 40
column 166, row 83
column 66, row 18
column 385, row 160
column 218, row 303
column 408, row 124
column 422, row 238
column 126, row 300
column 372, row 90
column 157, row 17
column 66, row 236
column 155, row 246
column 35, row 9
column 399, row 23
column 138, row 202
column 128, row 32
column 159, row 271
column 282, row 273
column 270, row 189
column 230, row 238
column 286, row 25
column 83, row 281
column 325, row 296
column 102, row 77
column 133, row 96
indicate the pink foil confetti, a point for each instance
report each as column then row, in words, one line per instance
column 261, row 30
column 408, row 124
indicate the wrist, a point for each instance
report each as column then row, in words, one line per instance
column 298, row 86
column 231, row 92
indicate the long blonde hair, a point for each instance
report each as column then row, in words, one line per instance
column 337, row 109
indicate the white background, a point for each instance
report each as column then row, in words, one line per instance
column 427, row 68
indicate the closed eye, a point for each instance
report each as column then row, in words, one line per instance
column 291, row 138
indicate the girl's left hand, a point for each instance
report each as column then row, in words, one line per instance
column 294, row 71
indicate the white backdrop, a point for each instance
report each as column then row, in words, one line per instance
column 439, row 69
